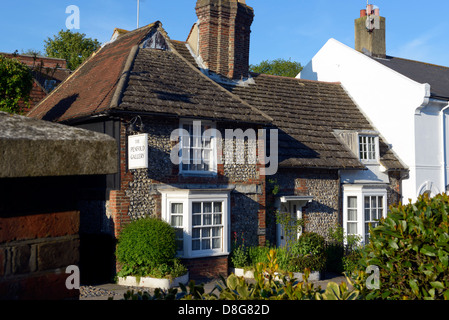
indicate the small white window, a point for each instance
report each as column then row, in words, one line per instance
column 352, row 216
column 374, row 209
column 367, row 147
column 198, row 151
column 363, row 207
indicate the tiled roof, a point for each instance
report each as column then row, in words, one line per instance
column 89, row 90
column 121, row 78
column 156, row 81
column 436, row 76
column 307, row 114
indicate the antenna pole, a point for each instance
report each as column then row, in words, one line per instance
column 138, row 13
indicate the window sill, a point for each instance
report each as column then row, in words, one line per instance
column 198, row 174
column 205, row 255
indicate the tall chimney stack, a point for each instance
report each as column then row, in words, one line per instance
column 370, row 32
column 224, row 36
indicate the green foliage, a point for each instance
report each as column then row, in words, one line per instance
column 269, row 284
column 342, row 252
column 145, row 246
column 258, row 255
column 290, row 225
column 411, row 249
column 278, row 67
column 71, row 46
column 307, row 253
column 16, row 83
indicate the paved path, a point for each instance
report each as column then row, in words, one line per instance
column 105, row 291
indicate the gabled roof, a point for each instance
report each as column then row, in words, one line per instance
column 436, row 76
column 123, row 76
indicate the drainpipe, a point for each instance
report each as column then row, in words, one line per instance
column 444, row 129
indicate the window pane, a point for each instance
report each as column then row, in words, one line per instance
column 352, row 215
column 196, row 245
column 216, row 243
column 380, row 202
column 216, row 232
column 352, row 202
column 373, row 214
column 217, row 207
column 207, row 207
column 196, row 221
column 196, row 207
column 196, row 233
column 176, row 221
column 205, row 232
column 176, row 208
column 352, row 228
column 367, row 216
column 205, row 244
column 217, row 219
column 207, row 219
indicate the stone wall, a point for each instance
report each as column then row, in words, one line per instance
column 140, row 197
column 323, row 212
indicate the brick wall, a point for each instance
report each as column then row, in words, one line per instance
column 224, row 36
column 37, row 243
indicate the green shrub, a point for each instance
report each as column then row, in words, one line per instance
column 351, row 261
column 144, row 245
column 411, row 249
column 239, row 257
column 308, row 252
column 258, row 255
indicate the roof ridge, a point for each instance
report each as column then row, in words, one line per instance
column 221, row 88
column 298, row 79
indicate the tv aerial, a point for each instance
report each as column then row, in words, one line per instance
column 372, row 17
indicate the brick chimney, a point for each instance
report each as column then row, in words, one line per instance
column 224, row 36
column 370, row 32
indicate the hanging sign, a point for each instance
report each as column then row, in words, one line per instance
column 138, row 151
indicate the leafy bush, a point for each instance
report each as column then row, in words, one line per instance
column 258, row 255
column 239, row 257
column 411, row 249
column 308, row 253
column 16, row 83
column 145, row 245
column 269, row 284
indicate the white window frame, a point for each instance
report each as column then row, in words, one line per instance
column 375, row 141
column 188, row 197
column 360, row 192
column 213, row 149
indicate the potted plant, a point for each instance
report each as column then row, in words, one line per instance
column 146, row 253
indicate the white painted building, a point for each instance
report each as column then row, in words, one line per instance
column 406, row 101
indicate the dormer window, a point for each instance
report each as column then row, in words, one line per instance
column 368, row 148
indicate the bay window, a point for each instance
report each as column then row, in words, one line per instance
column 200, row 219
column 363, row 207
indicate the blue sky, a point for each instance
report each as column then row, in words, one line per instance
column 294, row 29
